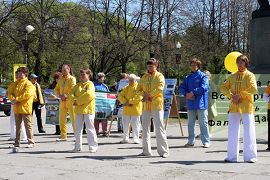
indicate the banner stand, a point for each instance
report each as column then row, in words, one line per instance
column 174, row 113
column 112, row 118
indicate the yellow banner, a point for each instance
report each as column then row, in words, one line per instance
column 15, row 67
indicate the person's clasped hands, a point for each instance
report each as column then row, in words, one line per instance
column 190, row 96
column 147, row 97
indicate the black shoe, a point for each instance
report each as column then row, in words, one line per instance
column 42, row 131
column 120, row 131
column 84, row 132
column 56, row 133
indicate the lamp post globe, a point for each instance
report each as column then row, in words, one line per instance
column 29, row 28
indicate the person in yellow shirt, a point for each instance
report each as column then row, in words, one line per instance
column 23, row 100
column 38, row 102
column 240, row 88
column 266, row 97
column 83, row 98
column 132, row 109
column 62, row 90
column 10, row 94
column 151, row 88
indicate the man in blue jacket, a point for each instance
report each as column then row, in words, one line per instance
column 195, row 88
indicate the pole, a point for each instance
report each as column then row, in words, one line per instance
column 179, row 76
column 26, row 50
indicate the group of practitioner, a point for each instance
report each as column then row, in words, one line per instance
column 145, row 99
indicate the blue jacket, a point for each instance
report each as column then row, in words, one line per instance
column 196, row 82
column 101, row 87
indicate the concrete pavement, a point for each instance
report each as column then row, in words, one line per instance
column 53, row 160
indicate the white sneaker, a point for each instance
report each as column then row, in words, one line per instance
column 251, row 161
column 230, row 161
column 147, row 155
column 61, row 139
column 165, row 155
column 124, row 142
column 75, row 150
column 30, row 145
column 189, row 145
column 92, row 150
column 206, row 145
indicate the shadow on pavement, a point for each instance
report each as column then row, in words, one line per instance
column 103, row 158
column 176, row 137
column 189, row 162
column 43, row 152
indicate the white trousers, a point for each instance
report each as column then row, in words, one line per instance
column 88, row 119
column 161, row 137
column 13, row 126
column 249, row 139
column 135, row 124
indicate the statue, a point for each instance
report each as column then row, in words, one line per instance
column 264, row 4
column 260, row 38
column 263, row 11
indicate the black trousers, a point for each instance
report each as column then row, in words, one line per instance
column 38, row 115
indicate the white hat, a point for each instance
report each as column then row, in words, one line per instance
column 133, row 76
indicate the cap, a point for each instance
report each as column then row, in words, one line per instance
column 33, row 76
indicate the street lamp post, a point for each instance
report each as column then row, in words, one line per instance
column 28, row 29
column 178, row 59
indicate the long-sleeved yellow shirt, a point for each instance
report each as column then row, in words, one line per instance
column 243, row 84
column 39, row 95
column 84, row 94
column 129, row 94
column 64, row 86
column 24, row 93
column 153, row 84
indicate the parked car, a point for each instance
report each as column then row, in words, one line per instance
column 5, row 104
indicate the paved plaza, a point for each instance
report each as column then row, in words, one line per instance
column 53, row 160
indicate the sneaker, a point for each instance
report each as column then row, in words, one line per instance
column 92, row 150
column 75, row 150
column 147, row 155
column 124, row 142
column 61, row 139
column 206, row 145
column 251, row 161
column 16, row 145
column 30, row 145
column 42, row 131
column 189, row 145
column 15, row 149
column 229, row 161
column 165, row 155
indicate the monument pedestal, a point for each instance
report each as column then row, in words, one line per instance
column 260, row 45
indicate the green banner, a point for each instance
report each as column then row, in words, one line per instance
column 222, row 102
